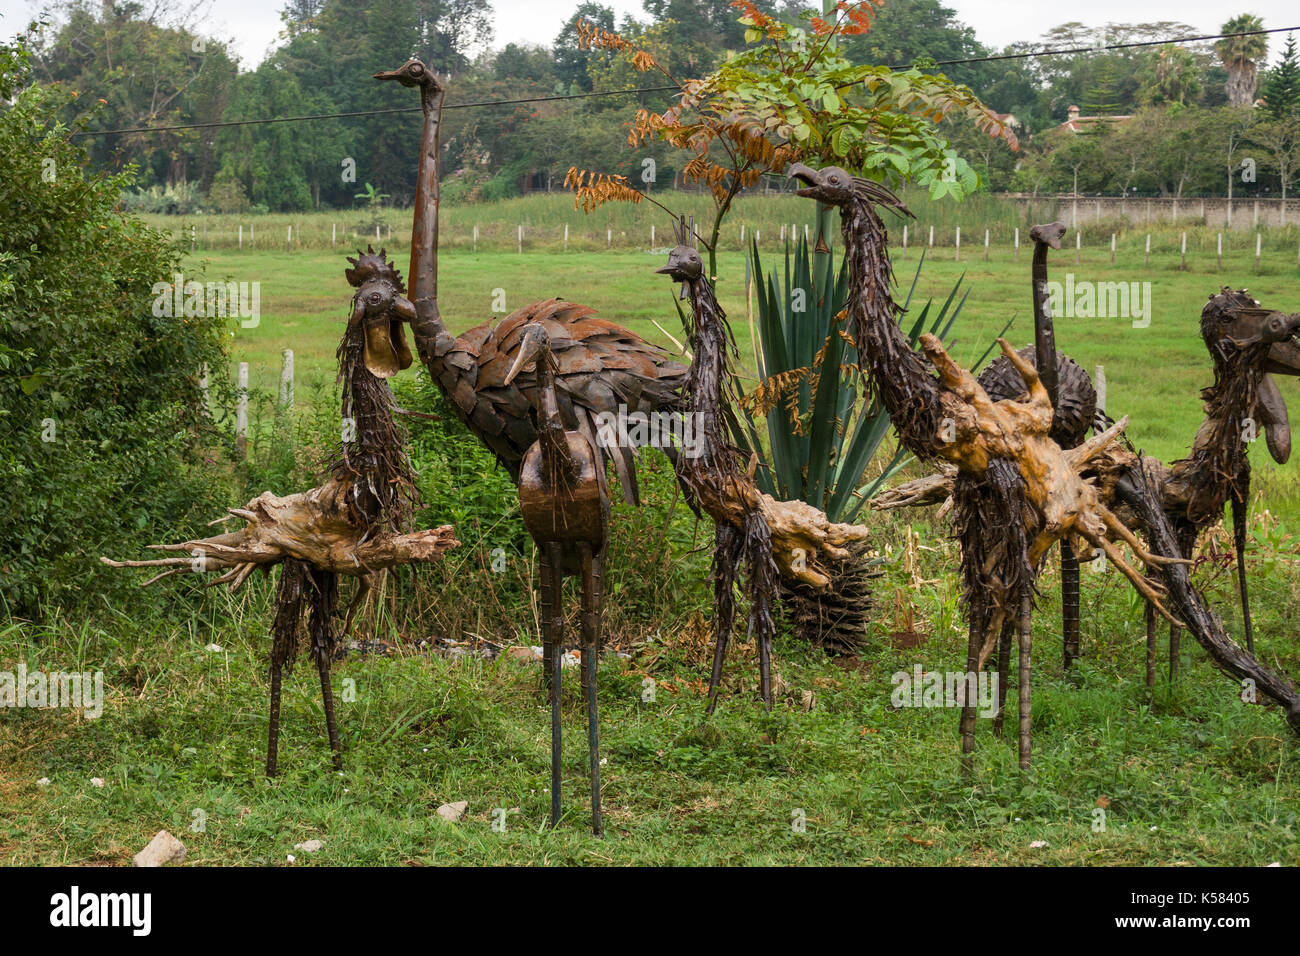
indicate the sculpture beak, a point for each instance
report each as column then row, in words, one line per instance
column 806, row 175
column 1284, row 357
column 380, row 356
column 386, row 75
column 527, row 354
column 1050, row 233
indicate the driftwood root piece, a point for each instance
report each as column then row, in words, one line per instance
column 1067, row 505
column 311, row 526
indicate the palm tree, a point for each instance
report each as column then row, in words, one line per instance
column 1239, row 55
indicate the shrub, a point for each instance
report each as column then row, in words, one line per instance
column 100, row 410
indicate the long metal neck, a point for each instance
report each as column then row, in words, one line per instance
column 1044, row 332
column 428, row 327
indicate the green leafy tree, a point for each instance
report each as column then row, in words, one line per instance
column 1282, row 85
column 1173, row 76
column 100, row 409
column 793, row 94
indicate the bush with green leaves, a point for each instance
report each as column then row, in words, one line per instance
column 104, row 443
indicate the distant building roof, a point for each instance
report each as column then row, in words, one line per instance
column 1079, row 124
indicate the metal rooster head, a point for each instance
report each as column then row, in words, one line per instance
column 1235, row 324
column 684, row 262
column 380, row 307
column 836, row 187
column 412, row 73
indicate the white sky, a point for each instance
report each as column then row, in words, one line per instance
column 254, row 24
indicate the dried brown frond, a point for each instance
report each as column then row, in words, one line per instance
column 594, row 189
column 769, row 392
column 592, row 37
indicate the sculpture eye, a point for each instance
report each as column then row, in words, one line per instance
column 416, row 68
column 375, row 297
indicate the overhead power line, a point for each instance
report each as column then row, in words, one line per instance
column 660, row 89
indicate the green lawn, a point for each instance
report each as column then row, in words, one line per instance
column 1187, row 776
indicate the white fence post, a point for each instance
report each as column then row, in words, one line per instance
column 957, row 246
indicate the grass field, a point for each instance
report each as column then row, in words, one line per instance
column 1188, row 775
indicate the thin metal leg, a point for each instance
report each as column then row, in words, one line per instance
column 1004, row 675
column 550, row 600
column 715, row 678
column 1026, row 704
column 968, row 706
column 554, row 640
column 1069, row 604
column 273, row 733
column 1239, row 534
column 765, row 671
column 592, row 599
column 327, row 696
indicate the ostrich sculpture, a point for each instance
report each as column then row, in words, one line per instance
column 565, row 508
column 355, row 524
column 599, row 367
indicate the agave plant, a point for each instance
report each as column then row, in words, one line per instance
column 821, row 434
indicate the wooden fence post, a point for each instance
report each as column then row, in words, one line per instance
column 286, row 379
